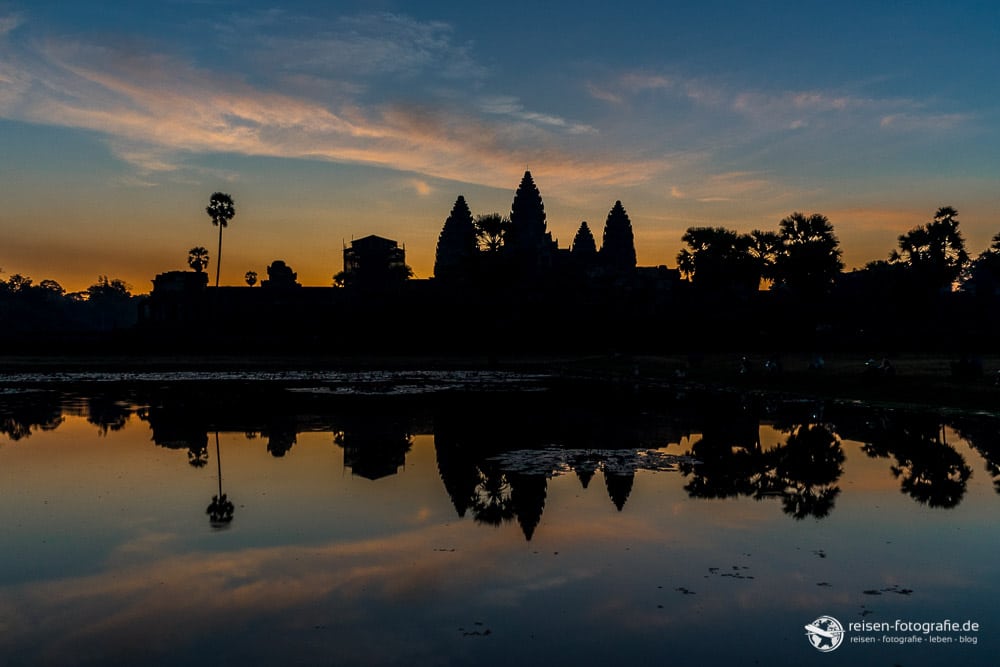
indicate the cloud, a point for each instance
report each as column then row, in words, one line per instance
column 774, row 110
column 9, row 23
column 422, row 188
column 728, row 186
column 913, row 122
column 350, row 47
column 156, row 109
column 511, row 106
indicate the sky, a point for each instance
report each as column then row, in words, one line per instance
column 328, row 121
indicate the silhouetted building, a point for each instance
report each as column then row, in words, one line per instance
column 374, row 261
column 530, row 246
column 458, row 245
column 618, row 246
column 280, row 275
column 175, row 300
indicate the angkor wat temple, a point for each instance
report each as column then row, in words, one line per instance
column 516, row 290
column 503, row 285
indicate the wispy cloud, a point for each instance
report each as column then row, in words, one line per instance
column 354, row 48
column 771, row 110
column 156, row 108
column 910, row 122
column 9, row 23
column 511, row 106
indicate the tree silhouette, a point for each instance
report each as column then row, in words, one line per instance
column 763, row 247
column 198, row 258
column 251, row 278
column 491, row 229
column 51, row 288
column 18, row 283
column 221, row 210
column 983, row 275
column 106, row 289
column 458, row 244
column 720, row 259
column 933, row 253
column 618, row 245
column 808, row 261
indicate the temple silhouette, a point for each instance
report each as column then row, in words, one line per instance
column 502, row 284
column 496, row 281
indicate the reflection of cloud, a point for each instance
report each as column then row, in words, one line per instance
column 354, row 585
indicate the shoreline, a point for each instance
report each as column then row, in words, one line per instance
column 918, row 381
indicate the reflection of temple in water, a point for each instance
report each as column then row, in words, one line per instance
column 497, row 451
column 374, row 449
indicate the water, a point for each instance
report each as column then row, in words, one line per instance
column 517, row 523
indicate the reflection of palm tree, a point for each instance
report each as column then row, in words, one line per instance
column 197, row 456
column 983, row 436
column 107, row 413
column 929, row 469
column 220, row 510
column 935, row 476
column 731, row 462
column 221, row 210
column 492, row 504
column 804, row 470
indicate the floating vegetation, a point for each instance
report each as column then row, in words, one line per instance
column 555, row 461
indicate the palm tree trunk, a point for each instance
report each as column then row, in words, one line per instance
column 218, row 258
column 218, row 460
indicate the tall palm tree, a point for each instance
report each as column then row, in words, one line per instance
column 221, row 210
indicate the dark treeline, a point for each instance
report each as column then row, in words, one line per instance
column 503, row 285
column 44, row 314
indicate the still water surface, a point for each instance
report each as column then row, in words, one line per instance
column 532, row 526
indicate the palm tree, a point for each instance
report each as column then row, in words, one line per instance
column 934, row 253
column 491, row 228
column 808, row 260
column 221, row 210
column 198, row 258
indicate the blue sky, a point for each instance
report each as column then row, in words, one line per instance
column 328, row 121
